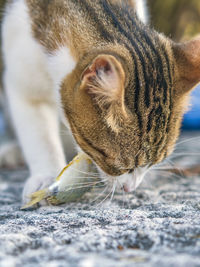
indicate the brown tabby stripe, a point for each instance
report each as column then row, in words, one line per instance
column 119, row 26
column 162, row 141
column 136, row 83
column 161, row 81
column 137, row 159
column 170, row 70
column 146, row 52
column 100, row 151
column 135, row 53
column 160, row 63
column 168, row 120
column 94, row 16
column 148, row 47
column 170, row 87
column 140, row 39
column 160, row 72
column 137, row 92
column 90, row 144
column 165, row 90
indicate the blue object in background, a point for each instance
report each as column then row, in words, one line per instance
column 191, row 119
column 2, row 124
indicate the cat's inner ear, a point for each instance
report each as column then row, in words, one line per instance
column 187, row 56
column 104, row 80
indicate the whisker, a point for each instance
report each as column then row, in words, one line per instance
column 179, row 143
column 148, row 181
column 91, row 175
column 113, row 191
column 79, row 187
column 173, row 174
column 87, row 183
column 162, row 168
column 188, row 140
column 87, row 173
column 179, row 169
column 185, row 154
column 99, row 195
column 88, row 177
column 104, row 199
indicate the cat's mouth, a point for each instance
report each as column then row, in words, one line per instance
column 131, row 181
column 127, row 182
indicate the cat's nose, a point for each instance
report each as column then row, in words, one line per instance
column 126, row 188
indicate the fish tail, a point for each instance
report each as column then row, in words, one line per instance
column 36, row 198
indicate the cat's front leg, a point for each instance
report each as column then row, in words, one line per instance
column 31, row 99
column 37, row 128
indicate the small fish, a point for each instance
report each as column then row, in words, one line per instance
column 77, row 178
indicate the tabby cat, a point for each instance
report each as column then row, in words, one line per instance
column 120, row 86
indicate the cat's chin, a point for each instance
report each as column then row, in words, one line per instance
column 128, row 181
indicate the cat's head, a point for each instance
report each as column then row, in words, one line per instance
column 125, row 105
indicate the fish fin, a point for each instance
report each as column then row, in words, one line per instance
column 64, row 169
column 76, row 159
column 35, row 198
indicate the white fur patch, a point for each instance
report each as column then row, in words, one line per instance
column 60, row 64
column 25, row 62
column 130, row 181
column 141, row 9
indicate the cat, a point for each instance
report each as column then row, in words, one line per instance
column 120, row 86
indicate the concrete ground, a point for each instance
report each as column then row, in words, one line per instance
column 158, row 225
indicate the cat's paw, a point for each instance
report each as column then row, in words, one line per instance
column 10, row 155
column 35, row 183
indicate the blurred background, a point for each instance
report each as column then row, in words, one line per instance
column 179, row 20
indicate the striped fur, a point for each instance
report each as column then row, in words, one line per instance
column 148, row 130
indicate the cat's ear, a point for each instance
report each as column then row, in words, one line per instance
column 104, row 81
column 187, row 57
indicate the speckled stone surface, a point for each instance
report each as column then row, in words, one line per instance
column 158, row 225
